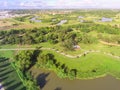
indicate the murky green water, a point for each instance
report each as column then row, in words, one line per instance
column 49, row 81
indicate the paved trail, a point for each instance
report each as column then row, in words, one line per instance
column 111, row 44
column 62, row 53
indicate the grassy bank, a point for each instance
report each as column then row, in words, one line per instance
column 91, row 66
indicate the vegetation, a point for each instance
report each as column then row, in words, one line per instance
column 7, row 72
column 24, row 60
column 85, row 47
column 83, row 67
column 67, row 37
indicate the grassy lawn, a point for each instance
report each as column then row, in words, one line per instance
column 7, row 54
column 115, row 50
column 90, row 66
column 7, row 46
column 8, row 76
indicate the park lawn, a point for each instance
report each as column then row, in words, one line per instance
column 25, row 25
column 90, row 66
column 4, row 23
column 71, row 23
column 7, row 46
column 99, row 63
column 7, row 54
column 115, row 50
column 8, row 76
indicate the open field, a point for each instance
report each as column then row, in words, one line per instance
column 8, row 76
column 83, row 44
column 72, row 18
column 102, row 63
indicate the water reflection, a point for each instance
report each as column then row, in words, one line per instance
column 53, row 82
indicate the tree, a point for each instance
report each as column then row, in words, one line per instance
column 23, row 60
column 31, row 83
column 73, row 73
column 42, row 60
column 68, row 44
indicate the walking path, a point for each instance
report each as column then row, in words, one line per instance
column 62, row 53
column 112, row 44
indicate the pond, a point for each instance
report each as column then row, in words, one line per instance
column 48, row 80
column 80, row 17
column 62, row 22
column 34, row 19
column 106, row 19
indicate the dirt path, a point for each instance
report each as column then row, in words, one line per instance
column 64, row 54
column 111, row 44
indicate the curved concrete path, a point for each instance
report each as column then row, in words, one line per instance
column 62, row 53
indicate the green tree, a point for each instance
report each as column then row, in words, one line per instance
column 23, row 60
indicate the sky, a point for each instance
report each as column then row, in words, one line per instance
column 58, row 4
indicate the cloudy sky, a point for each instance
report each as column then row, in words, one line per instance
column 46, row 4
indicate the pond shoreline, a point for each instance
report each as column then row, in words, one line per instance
column 48, row 80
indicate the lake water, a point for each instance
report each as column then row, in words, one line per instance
column 62, row 22
column 49, row 81
column 34, row 19
column 106, row 19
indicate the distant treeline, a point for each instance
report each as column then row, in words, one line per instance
column 100, row 12
column 64, row 35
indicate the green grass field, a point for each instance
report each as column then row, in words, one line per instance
column 89, row 66
column 8, row 76
column 100, row 63
column 7, row 54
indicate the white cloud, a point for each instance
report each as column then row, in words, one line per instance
column 58, row 3
column 75, row 3
column 32, row 4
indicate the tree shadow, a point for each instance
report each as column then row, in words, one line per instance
column 2, row 59
column 58, row 88
column 41, row 79
column 13, row 87
column 5, row 65
column 23, row 88
column 3, row 78
column 6, row 73
column 2, row 70
column 8, row 83
column 33, row 58
column 36, row 53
